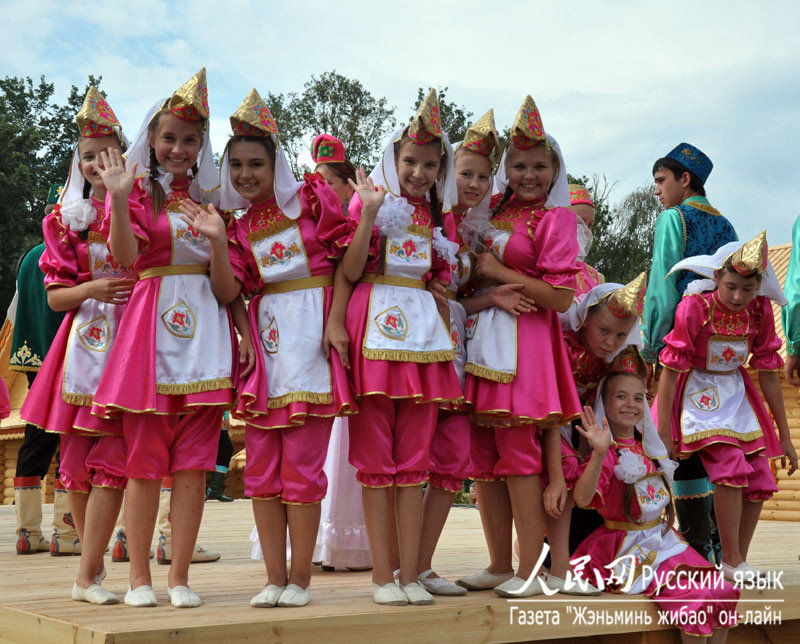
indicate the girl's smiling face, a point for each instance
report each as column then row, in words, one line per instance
column 473, row 177
column 603, row 332
column 418, row 167
column 176, row 143
column 89, row 162
column 530, row 172
column 624, row 401
column 251, row 171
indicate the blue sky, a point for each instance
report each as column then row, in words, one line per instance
column 618, row 83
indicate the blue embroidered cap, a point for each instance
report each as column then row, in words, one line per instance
column 693, row 159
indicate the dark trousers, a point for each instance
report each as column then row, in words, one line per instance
column 37, row 449
column 224, row 450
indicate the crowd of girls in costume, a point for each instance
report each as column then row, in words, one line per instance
column 384, row 337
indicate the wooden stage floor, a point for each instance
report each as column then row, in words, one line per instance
column 35, row 605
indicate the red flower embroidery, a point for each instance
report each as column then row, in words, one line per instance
column 391, row 321
column 705, row 401
column 729, row 354
column 95, row 332
column 409, row 247
column 277, row 250
column 273, row 335
column 179, row 318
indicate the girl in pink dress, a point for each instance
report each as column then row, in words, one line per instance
column 284, row 248
column 531, row 239
column 169, row 373
column 401, row 352
column 596, row 327
column 707, row 402
column 627, row 479
column 83, row 278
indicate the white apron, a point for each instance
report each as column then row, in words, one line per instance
column 403, row 322
column 492, row 333
column 193, row 342
column 715, row 400
column 94, row 328
column 291, row 323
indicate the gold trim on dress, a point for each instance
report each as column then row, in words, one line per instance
column 482, row 371
column 729, row 433
column 420, row 230
column 628, row 526
column 392, row 280
column 450, row 295
column 502, row 224
column 173, row 269
column 299, row 284
column 96, row 238
column 80, row 400
column 173, row 389
column 273, row 229
column 424, row 357
column 300, row 396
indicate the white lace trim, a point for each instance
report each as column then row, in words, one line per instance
column 445, row 248
column 78, row 214
column 631, row 466
column 394, row 216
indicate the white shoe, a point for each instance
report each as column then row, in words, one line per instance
column 576, row 588
column 183, row 597
column 389, row 594
column 484, row 580
column 268, row 597
column 100, row 576
column 293, row 595
column 417, row 595
column 140, row 596
column 94, row 594
column 513, row 588
column 440, row 586
column 745, row 570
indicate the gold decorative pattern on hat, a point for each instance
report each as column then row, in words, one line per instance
column 427, row 123
column 96, row 118
column 752, row 257
column 630, row 361
column 527, row 129
column 628, row 300
column 482, row 137
column 190, row 101
column 253, row 118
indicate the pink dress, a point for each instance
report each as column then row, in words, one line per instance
column 587, row 278
column 5, row 405
column 715, row 398
column 402, row 372
column 292, row 379
column 175, row 342
column 518, row 369
column 61, row 396
column 645, row 541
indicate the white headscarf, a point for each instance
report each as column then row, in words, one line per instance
column 204, row 188
column 706, row 265
column 575, row 316
column 284, row 184
column 559, row 193
column 585, row 239
column 651, row 441
column 76, row 212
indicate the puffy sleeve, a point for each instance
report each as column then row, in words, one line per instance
column 240, row 254
column 353, row 217
column 332, row 225
column 791, row 312
column 766, row 343
column 604, row 482
column 58, row 262
column 556, row 244
column 662, row 292
column 440, row 266
column 679, row 344
column 140, row 207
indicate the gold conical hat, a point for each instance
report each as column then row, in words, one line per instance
column 96, row 118
column 629, row 300
column 253, row 118
column 629, row 360
column 527, row 129
column 482, row 137
column 426, row 124
column 190, row 101
column 752, row 257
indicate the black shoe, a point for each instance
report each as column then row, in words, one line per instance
column 216, row 488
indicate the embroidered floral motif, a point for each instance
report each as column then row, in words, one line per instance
column 706, row 399
column 24, row 357
column 455, row 336
column 280, row 254
column 190, row 235
column 270, row 337
column 392, row 323
column 653, row 496
column 179, row 320
column 727, row 357
column 94, row 334
column 108, row 265
column 470, row 325
column 407, row 251
column 534, row 122
column 325, row 151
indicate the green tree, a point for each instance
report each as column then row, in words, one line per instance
column 38, row 137
column 455, row 118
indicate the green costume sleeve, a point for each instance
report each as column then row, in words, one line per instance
column 791, row 312
column 662, row 294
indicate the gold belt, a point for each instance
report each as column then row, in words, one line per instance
column 450, row 295
column 392, row 280
column 173, row 269
column 624, row 525
column 297, row 284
